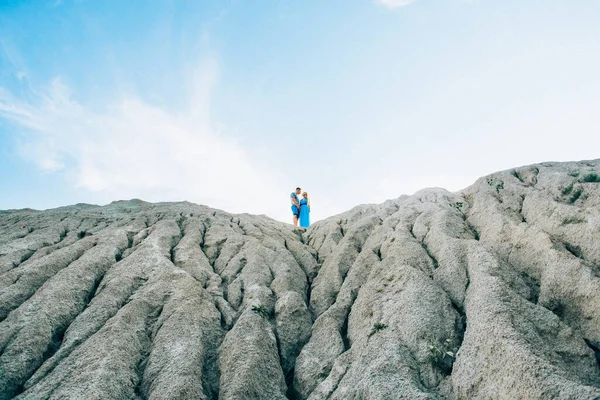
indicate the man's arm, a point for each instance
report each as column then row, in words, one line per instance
column 294, row 202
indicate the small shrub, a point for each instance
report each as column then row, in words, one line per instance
column 63, row 234
column 443, row 353
column 566, row 190
column 378, row 327
column 458, row 205
column 573, row 220
column 592, row 177
column 262, row 310
column 574, row 174
column 576, row 195
column 497, row 184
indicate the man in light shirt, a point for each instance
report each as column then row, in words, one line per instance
column 295, row 205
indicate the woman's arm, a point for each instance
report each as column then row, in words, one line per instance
column 294, row 202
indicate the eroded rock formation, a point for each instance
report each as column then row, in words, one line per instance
column 490, row 293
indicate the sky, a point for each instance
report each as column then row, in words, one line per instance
column 234, row 103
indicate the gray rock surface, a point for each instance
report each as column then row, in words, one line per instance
column 489, row 293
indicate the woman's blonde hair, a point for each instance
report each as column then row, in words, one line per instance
column 305, row 194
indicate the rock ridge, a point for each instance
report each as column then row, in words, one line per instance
column 492, row 292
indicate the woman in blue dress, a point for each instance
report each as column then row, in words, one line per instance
column 305, row 211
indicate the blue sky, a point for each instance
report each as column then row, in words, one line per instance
column 235, row 103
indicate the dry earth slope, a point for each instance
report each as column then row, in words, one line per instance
column 490, row 293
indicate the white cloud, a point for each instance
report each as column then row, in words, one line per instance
column 134, row 149
column 395, row 3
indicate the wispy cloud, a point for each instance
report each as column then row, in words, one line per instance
column 129, row 148
column 11, row 59
column 395, row 3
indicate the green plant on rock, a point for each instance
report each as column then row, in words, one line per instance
column 262, row 310
column 585, row 196
column 496, row 183
column 576, row 195
column 63, row 233
column 377, row 327
column 442, row 353
column 499, row 187
column 573, row 220
column 567, row 189
column 591, row 177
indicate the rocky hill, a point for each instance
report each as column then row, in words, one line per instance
column 490, row 293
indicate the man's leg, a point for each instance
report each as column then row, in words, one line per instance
column 295, row 220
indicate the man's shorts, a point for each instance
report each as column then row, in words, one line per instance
column 295, row 211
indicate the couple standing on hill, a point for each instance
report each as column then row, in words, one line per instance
column 300, row 208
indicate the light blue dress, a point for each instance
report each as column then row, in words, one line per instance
column 304, row 213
